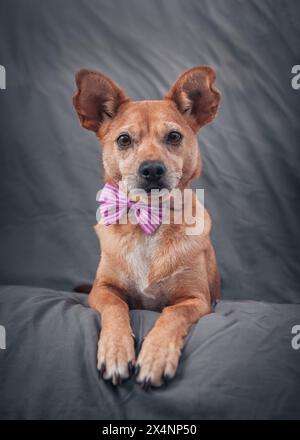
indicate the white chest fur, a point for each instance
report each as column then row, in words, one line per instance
column 139, row 259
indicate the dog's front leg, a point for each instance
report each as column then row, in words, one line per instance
column 116, row 355
column 158, row 359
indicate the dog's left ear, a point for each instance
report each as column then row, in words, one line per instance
column 195, row 96
column 98, row 98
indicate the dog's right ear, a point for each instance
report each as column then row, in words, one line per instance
column 97, row 98
column 195, row 96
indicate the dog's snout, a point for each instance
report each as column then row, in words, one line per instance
column 152, row 170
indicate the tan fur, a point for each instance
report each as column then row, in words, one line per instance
column 169, row 271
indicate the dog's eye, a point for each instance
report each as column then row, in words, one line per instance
column 124, row 140
column 174, row 137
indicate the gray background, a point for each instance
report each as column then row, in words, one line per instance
column 50, row 168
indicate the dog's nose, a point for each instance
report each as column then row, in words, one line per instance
column 152, row 170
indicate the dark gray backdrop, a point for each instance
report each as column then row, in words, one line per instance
column 50, row 167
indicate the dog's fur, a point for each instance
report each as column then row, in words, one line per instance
column 169, row 271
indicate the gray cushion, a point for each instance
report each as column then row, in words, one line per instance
column 237, row 363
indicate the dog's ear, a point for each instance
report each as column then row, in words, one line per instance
column 195, row 96
column 97, row 98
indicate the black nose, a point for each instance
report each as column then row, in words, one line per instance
column 152, row 170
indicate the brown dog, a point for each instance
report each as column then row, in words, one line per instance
column 150, row 144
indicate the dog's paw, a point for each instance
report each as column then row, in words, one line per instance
column 158, row 360
column 116, row 356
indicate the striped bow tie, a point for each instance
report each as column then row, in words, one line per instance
column 114, row 204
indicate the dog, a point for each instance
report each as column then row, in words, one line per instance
column 150, row 145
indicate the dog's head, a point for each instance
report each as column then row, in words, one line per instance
column 148, row 144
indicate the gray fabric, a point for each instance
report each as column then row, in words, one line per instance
column 50, row 167
column 237, row 363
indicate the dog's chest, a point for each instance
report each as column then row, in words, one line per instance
column 139, row 258
column 133, row 257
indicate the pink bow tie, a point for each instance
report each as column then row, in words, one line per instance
column 114, row 204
